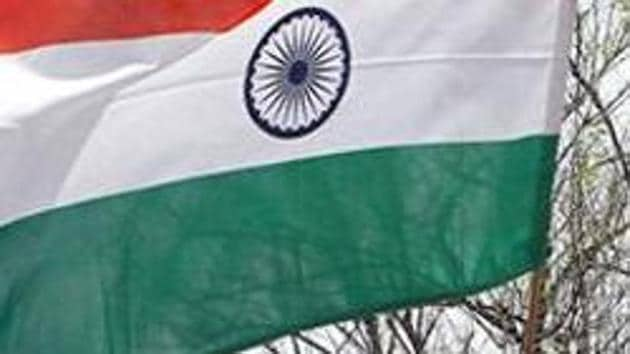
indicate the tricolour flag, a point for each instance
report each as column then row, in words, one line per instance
column 168, row 189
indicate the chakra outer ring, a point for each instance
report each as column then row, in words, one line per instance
column 324, row 116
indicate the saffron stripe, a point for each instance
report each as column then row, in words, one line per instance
column 29, row 24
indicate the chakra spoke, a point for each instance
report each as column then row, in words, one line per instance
column 317, row 47
column 294, row 35
column 322, row 87
column 307, row 44
column 271, row 96
column 278, row 96
column 286, row 42
column 325, row 50
column 316, row 41
column 327, row 60
column 286, row 112
column 281, row 49
column 315, row 93
column 273, row 76
column 326, row 69
column 271, row 66
column 324, row 78
column 294, row 104
column 309, row 99
column 269, row 85
column 275, row 57
column 281, row 104
column 302, row 40
column 302, row 99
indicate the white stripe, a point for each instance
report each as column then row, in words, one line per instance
column 433, row 71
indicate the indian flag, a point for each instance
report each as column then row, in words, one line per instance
column 197, row 176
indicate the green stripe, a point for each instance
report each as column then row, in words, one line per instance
column 218, row 263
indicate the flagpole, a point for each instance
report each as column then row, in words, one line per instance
column 536, row 313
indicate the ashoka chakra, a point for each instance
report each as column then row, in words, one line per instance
column 298, row 73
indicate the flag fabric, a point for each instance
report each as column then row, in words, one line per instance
column 197, row 176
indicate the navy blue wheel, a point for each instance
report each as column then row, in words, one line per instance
column 298, row 73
